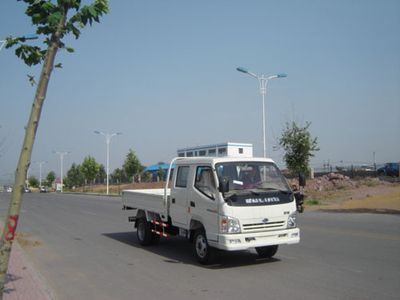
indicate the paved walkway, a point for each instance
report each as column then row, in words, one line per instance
column 23, row 283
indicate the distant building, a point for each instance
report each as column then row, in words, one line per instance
column 217, row 150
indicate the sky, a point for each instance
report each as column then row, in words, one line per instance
column 164, row 74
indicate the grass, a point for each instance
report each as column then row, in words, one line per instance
column 312, row 202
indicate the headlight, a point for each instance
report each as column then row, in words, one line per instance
column 229, row 225
column 292, row 220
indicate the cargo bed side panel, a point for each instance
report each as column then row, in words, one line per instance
column 150, row 200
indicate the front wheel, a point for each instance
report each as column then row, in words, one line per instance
column 267, row 252
column 202, row 251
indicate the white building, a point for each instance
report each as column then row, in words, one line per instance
column 222, row 149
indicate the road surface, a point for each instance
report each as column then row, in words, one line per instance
column 85, row 249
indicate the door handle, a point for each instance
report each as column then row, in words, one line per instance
column 173, row 200
column 192, row 204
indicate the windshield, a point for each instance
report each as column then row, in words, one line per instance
column 252, row 176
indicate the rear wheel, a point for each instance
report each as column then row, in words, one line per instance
column 202, row 251
column 143, row 232
column 267, row 252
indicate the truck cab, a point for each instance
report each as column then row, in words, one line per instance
column 240, row 204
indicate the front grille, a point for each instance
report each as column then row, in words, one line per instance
column 254, row 227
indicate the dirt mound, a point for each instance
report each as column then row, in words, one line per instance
column 338, row 192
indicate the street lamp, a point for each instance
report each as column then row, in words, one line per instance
column 263, row 81
column 62, row 154
column 24, row 37
column 108, row 137
column 40, row 163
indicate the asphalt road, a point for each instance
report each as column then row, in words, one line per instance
column 86, row 249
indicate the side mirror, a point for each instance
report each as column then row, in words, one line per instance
column 299, row 197
column 302, row 180
column 223, row 185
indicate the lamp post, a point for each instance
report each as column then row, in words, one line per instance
column 263, row 81
column 62, row 154
column 108, row 137
column 3, row 43
column 40, row 163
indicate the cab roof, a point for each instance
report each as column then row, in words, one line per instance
column 215, row 160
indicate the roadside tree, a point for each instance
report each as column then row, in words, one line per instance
column 101, row 175
column 74, row 176
column 132, row 165
column 33, row 181
column 119, row 176
column 51, row 176
column 160, row 173
column 89, row 169
column 52, row 24
column 146, row 176
column 298, row 145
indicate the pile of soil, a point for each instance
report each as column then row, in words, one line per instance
column 338, row 192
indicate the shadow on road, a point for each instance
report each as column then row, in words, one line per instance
column 175, row 250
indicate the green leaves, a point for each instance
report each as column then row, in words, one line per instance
column 88, row 14
column 31, row 55
column 89, row 168
column 31, row 79
column 132, row 165
column 298, row 145
column 47, row 16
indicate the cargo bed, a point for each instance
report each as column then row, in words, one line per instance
column 148, row 199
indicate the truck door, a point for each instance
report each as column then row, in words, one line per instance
column 179, row 197
column 203, row 201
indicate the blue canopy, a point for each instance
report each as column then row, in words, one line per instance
column 156, row 167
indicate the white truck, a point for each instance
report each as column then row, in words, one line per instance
column 218, row 202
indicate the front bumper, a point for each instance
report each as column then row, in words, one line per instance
column 244, row 241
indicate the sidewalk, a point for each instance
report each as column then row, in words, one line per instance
column 23, row 283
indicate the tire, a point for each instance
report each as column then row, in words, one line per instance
column 143, row 232
column 202, row 251
column 267, row 252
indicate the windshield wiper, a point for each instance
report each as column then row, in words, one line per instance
column 230, row 196
column 254, row 192
column 277, row 189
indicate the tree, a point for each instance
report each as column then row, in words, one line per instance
column 101, row 175
column 132, row 165
column 146, row 176
column 75, row 176
column 51, row 176
column 89, row 168
column 160, row 173
column 52, row 24
column 33, row 181
column 119, row 176
column 298, row 146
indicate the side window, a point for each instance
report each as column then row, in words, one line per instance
column 205, row 182
column 182, row 176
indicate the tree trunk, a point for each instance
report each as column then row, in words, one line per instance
column 11, row 220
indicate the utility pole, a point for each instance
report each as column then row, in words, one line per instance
column 40, row 163
column 108, row 137
column 263, row 81
column 62, row 154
